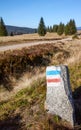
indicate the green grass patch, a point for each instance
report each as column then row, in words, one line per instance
column 25, row 98
column 75, row 75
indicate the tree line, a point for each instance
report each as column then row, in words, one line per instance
column 3, row 30
column 68, row 29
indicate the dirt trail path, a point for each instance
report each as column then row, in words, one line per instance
column 20, row 46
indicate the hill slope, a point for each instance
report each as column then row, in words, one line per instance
column 78, row 28
column 19, row 30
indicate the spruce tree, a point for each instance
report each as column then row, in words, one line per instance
column 60, row 30
column 51, row 29
column 41, row 28
column 55, row 28
column 48, row 29
column 3, row 30
column 70, row 28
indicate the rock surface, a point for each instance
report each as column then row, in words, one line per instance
column 59, row 99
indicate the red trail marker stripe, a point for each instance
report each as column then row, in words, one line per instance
column 53, row 80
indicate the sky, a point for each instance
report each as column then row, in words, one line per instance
column 27, row 13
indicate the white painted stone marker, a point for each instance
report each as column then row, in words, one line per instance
column 59, row 95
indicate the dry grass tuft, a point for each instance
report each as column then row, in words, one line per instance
column 29, row 37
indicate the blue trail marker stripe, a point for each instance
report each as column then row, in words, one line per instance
column 53, row 72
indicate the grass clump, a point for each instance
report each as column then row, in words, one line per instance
column 75, row 37
column 75, row 75
column 24, row 98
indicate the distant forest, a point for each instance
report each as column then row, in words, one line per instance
column 13, row 30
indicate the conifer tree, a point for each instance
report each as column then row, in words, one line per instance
column 3, row 30
column 60, row 30
column 67, row 29
column 41, row 28
column 55, row 28
column 70, row 28
column 48, row 29
column 51, row 29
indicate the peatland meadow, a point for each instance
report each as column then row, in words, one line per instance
column 23, row 109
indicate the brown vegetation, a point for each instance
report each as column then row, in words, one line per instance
column 28, row 38
column 25, row 111
column 16, row 62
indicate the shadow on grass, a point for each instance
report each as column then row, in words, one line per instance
column 77, row 104
column 55, row 124
column 11, row 123
column 17, row 72
column 6, row 82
